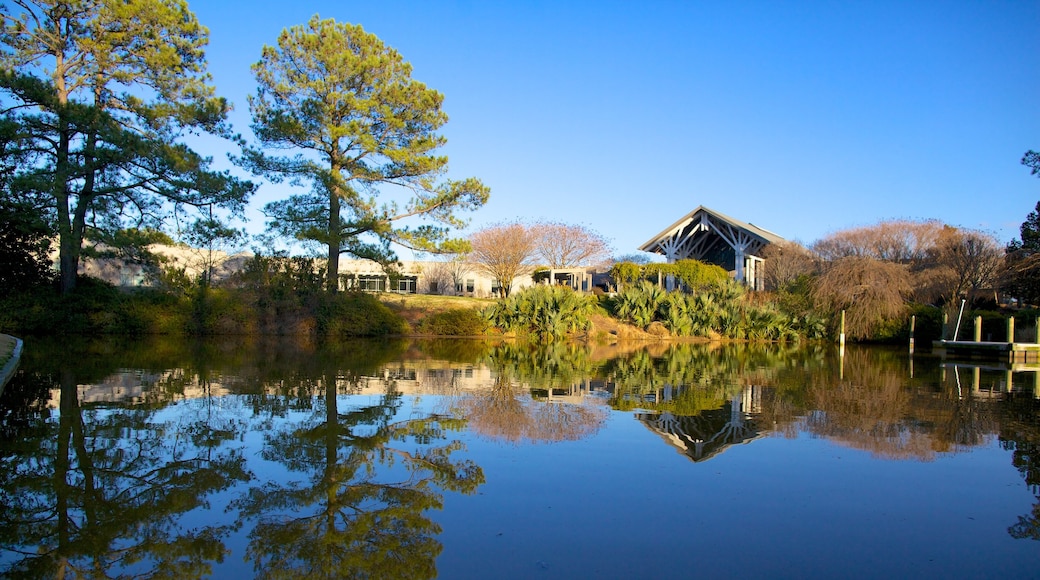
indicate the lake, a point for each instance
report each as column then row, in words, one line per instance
column 473, row 459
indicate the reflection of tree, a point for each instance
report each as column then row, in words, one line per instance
column 1020, row 434
column 877, row 408
column 361, row 512
column 507, row 412
column 687, row 379
column 545, row 366
column 868, row 409
column 99, row 491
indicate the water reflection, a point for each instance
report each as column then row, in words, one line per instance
column 102, row 489
column 334, row 459
column 349, row 514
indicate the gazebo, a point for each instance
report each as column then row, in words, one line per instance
column 709, row 236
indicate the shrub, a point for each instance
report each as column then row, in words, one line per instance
column 356, row 314
column 548, row 312
column 639, row 304
column 454, row 322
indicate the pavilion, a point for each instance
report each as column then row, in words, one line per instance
column 714, row 238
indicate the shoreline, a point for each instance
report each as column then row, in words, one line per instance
column 10, row 365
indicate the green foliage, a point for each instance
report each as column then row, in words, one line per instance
column 546, row 312
column 347, row 105
column 721, row 309
column 692, row 275
column 102, row 93
column 94, row 307
column 625, row 273
column 454, row 322
column 356, row 314
column 1023, row 255
column 24, row 247
column 638, row 304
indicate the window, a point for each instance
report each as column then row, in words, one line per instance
column 371, row 283
column 405, row 285
column 433, row 287
column 469, row 285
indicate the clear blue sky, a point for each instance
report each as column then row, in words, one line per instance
column 800, row 117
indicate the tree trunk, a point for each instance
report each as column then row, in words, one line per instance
column 68, row 250
column 332, row 277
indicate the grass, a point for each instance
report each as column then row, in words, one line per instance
column 416, row 307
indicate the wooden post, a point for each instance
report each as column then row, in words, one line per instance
column 978, row 329
column 913, row 323
column 976, row 379
column 1036, row 331
column 1011, row 329
column 841, row 342
column 945, row 327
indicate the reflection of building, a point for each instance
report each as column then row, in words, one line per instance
column 421, row 377
column 710, row 432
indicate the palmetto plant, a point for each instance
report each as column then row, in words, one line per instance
column 547, row 312
column 639, row 304
column 677, row 312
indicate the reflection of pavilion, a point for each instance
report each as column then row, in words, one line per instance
column 710, row 432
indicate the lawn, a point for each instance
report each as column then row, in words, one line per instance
column 415, row 307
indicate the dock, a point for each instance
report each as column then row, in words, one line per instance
column 1027, row 353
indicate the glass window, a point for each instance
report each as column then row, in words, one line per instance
column 371, row 283
column 469, row 285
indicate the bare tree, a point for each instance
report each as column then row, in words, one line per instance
column 785, row 262
column 870, row 291
column 972, row 258
column 448, row 274
column 902, row 241
column 503, row 252
column 569, row 246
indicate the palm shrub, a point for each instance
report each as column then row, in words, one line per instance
column 547, row 312
column 677, row 312
column 639, row 304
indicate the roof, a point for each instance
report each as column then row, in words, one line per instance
column 766, row 235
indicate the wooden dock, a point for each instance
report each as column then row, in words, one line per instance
column 1011, row 352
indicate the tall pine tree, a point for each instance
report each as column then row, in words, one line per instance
column 363, row 135
column 104, row 90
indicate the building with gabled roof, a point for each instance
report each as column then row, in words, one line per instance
column 715, row 238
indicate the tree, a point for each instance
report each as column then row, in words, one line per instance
column 569, row 246
column 871, row 291
column 447, row 274
column 1023, row 255
column 785, row 262
column 902, row 241
column 504, row 252
column 102, row 91
column 24, row 245
column 346, row 105
column 1022, row 261
column 1030, row 232
column 972, row 260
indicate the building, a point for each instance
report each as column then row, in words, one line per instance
column 715, row 238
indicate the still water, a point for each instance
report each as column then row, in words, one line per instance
column 464, row 459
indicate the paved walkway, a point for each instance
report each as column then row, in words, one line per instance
column 14, row 346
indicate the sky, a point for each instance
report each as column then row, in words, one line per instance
column 803, row 118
